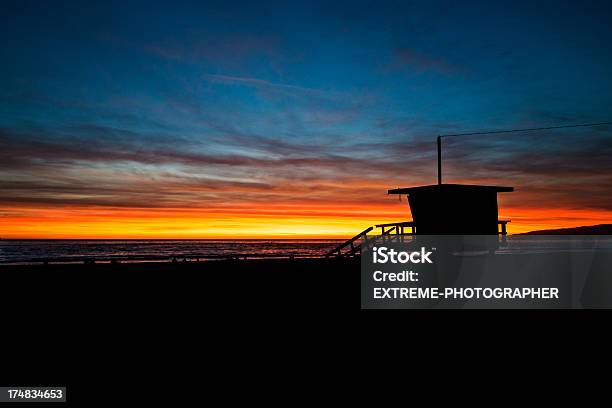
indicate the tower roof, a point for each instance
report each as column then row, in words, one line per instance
column 463, row 188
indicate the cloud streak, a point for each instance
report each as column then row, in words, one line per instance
column 182, row 121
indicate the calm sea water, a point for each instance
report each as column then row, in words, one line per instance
column 101, row 250
column 132, row 250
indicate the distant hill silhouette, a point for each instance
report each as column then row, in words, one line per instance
column 601, row 229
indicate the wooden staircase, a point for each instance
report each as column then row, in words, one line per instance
column 350, row 247
column 393, row 232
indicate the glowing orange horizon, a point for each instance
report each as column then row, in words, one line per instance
column 280, row 220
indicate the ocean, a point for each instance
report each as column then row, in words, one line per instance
column 27, row 251
column 35, row 251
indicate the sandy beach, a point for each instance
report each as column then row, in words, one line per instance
column 281, row 283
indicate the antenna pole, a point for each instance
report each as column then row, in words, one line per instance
column 439, row 160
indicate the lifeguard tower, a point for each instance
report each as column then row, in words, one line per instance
column 449, row 209
column 442, row 209
column 454, row 209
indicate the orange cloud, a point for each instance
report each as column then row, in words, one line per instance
column 54, row 189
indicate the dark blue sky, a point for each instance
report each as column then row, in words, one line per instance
column 253, row 97
column 440, row 64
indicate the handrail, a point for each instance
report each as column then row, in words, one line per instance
column 389, row 231
column 394, row 224
column 349, row 242
column 398, row 228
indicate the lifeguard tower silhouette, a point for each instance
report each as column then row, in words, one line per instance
column 449, row 209
column 454, row 209
column 441, row 209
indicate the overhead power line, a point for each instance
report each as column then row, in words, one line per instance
column 439, row 139
column 527, row 129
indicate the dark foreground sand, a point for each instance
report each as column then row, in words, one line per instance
column 282, row 284
column 163, row 331
column 302, row 283
column 173, row 327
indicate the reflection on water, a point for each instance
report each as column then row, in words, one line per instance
column 100, row 250
column 65, row 250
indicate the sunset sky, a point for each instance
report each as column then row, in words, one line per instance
column 292, row 119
